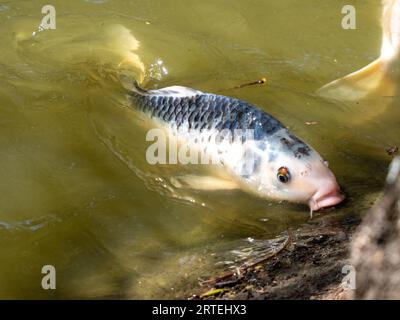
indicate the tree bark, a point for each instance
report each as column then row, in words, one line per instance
column 375, row 250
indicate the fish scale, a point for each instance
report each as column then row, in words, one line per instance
column 205, row 111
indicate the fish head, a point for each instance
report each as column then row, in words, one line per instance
column 295, row 172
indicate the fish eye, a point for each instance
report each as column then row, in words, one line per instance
column 283, row 175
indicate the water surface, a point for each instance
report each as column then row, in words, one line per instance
column 75, row 189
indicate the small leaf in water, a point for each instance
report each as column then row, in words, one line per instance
column 213, row 292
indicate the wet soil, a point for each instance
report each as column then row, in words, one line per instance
column 308, row 265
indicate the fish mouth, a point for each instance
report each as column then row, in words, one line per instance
column 326, row 200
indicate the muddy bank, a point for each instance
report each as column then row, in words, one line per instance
column 307, row 265
column 309, row 262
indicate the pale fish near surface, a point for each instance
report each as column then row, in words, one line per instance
column 283, row 166
column 380, row 77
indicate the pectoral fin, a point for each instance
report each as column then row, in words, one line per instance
column 203, row 183
column 372, row 79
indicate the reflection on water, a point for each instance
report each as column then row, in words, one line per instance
column 76, row 191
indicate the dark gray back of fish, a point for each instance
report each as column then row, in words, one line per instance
column 207, row 112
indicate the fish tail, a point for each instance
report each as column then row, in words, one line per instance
column 371, row 79
column 380, row 76
column 122, row 43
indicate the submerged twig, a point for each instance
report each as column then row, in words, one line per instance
column 261, row 81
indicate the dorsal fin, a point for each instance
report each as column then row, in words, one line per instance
column 176, row 91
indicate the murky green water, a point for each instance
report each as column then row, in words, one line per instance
column 75, row 189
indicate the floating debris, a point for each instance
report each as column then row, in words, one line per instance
column 391, row 151
column 261, row 81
